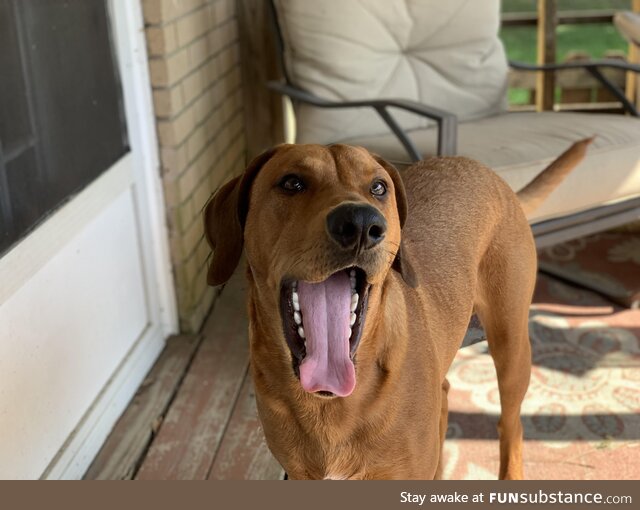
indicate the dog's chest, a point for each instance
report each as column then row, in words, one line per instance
column 337, row 476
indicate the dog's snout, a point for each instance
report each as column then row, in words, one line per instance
column 356, row 226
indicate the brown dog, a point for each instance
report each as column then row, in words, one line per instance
column 360, row 295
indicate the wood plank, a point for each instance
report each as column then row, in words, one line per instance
column 615, row 108
column 572, row 96
column 578, row 91
column 569, row 78
column 192, row 430
column 583, row 17
column 243, row 453
column 264, row 110
column 545, row 83
column 123, row 450
column 633, row 84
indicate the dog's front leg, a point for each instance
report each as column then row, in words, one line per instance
column 444, row 421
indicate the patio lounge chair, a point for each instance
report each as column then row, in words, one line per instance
column 414, row 78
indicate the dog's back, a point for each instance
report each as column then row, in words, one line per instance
column 473, row 250
column 459, row 209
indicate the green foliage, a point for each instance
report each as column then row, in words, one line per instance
column 520, row 42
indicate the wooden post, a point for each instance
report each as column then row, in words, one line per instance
column 545, row 82
column 632, row 89
column 263, row 109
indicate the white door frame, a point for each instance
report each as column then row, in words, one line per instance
column 127, row 28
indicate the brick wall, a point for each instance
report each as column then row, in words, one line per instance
column 195, row 74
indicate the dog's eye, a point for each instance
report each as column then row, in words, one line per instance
column 378, row 188
column 292, row 184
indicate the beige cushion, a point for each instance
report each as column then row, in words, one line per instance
column 519, row 145
column 441, row 53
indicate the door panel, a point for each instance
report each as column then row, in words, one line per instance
column 63, row 335
column 86, row 297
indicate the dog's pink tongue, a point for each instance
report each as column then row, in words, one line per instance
column 325, row 310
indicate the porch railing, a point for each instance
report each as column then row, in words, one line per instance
column 578, row 90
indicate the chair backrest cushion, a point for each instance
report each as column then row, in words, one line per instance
column 444, row 53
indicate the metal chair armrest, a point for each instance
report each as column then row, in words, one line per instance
column 593, row 67
column 578, row 64
column 446, row 121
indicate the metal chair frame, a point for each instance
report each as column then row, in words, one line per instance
column 546, row 232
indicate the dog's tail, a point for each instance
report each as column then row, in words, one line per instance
column 534, row 193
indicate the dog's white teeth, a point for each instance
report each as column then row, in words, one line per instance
column 295, row 300
column 354, row 301
column 350, row 332
column 297, row 317
column 352, row 319
column 352, row 273
column 301, row 332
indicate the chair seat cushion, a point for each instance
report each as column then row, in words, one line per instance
column 519, row 145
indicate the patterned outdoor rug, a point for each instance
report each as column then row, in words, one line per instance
column 582, row 412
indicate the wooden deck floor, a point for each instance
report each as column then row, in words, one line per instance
column 194, row 417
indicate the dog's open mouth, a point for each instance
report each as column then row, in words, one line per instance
column 322, row 324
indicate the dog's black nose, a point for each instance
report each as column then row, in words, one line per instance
column 356, row 226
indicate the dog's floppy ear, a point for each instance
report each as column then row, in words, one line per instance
column 400, row 264
column 224, row 218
